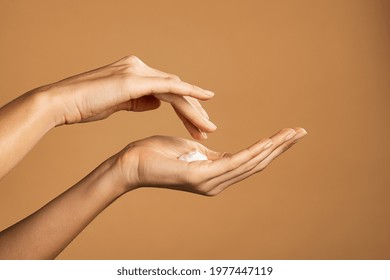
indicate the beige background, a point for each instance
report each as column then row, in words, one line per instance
column 323, row 65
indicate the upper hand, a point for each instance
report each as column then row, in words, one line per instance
column 129, row 84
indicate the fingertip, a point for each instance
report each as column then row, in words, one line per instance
column 200, row 93
column 303, row 131
column 207, row 125
column 212, row 126
column 300, row 132
column 209, row 93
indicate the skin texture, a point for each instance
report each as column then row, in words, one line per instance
column 127, row 84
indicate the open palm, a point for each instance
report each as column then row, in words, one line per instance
column 153, row 162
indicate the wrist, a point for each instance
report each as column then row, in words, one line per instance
column 110, row 173
column 52, row 103
column 125, row 164
column 103, row 185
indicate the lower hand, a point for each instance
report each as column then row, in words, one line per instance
column 153, row 162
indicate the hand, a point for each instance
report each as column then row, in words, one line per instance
column 129, row 84
column 153, row 162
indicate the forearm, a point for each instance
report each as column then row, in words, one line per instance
column 23, row 122
column 44, row 234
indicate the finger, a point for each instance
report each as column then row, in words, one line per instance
column 222, row 185
column 192, row 129
column 300, row 132
column 277, row 140
column 195, row 102
column 152, row 85
column 200, row 119
column 225, row 184
column 233, row 162
column 232, row 166
column 206, row 172
column 198, row 106
column 188, row 110
column 210, row 170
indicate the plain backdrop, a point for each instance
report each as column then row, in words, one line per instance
column 322, row 65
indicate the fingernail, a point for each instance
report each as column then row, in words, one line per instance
column 290, row 135
column 268, row 144
column 209, row 93
column 213, row 126
column 301, row 134
column 204, row 135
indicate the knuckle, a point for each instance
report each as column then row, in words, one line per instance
column 129, row 64
column 175, row 78
column 132, row 60
column 251, row 152
column 194, row 87
column 172, row 79
column 230, row 163
column 172, row 83
column 127, row 69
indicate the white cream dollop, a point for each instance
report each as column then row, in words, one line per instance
column 193, row 156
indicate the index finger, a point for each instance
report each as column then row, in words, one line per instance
column 152, row 85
